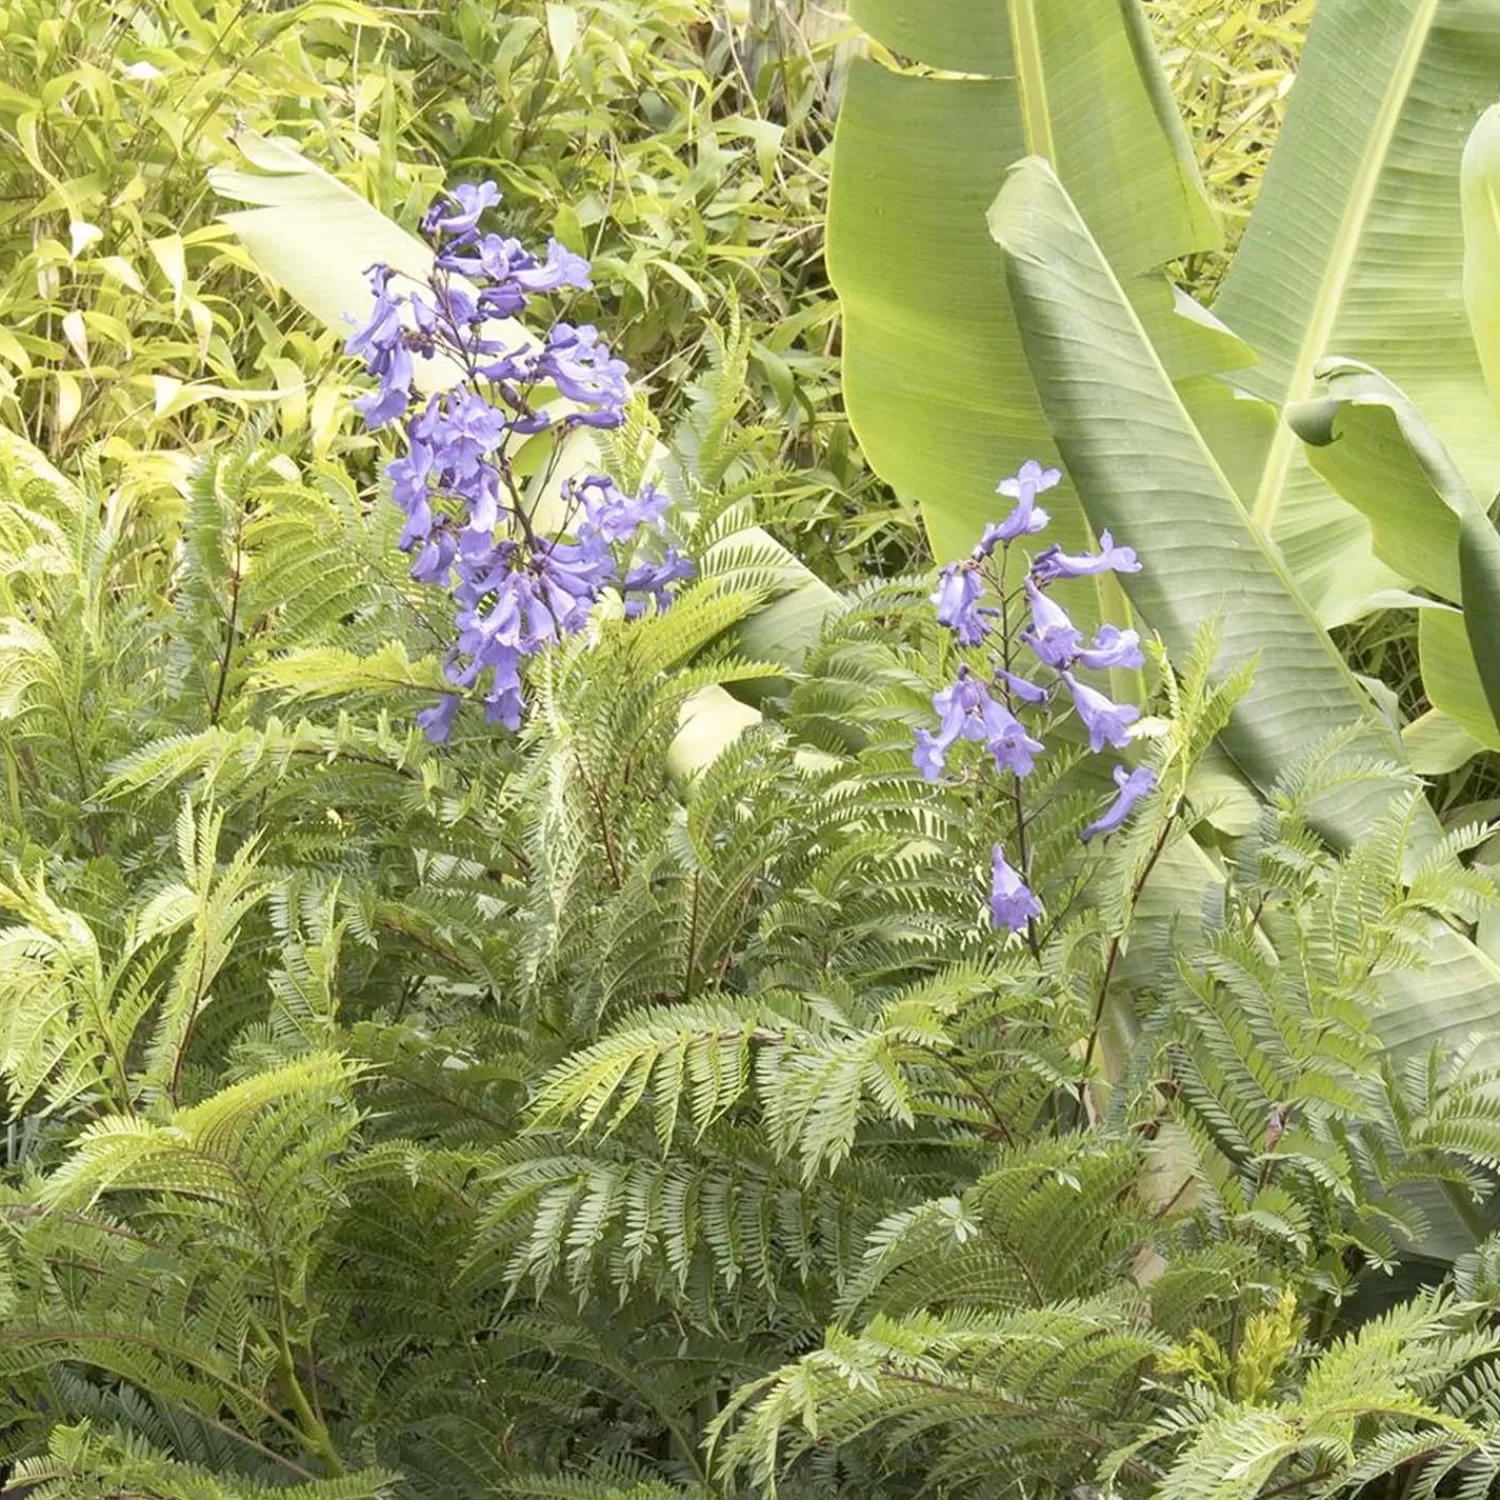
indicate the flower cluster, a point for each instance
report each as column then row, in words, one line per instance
column 989, row 710
column 470, row 522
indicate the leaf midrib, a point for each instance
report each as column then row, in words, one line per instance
column 1031, row 80
column 1340, row 263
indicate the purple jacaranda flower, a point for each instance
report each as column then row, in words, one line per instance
column 1112, row 647
column 967, row 712
column 957, row 601
column 578, row 363
column 656, row 580
column 615, row 515
column 1133, row 785
column 502, row 299
column 418, row 526
column 1106, row 721
column 462, row 429
column 1027, row 692
column 510, row 366
column 1054, row 563
column 446, row 311
column 434, row 562
column 381, row 334
column 1014, row 749
column 410, row 474
column 512, row 273
column 505, row 704
column 1053, row 636
column 561, row 268
column 493, row 258
column 437, row 722
column 929, row 757
column 459, row 216
column 1012, row 905
column 391, row 399
column 381, row 343
column 512, row 597
column 1027, row 518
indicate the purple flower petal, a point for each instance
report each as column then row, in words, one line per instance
column 1112, row 648
column 1106, row 721
column 1054, row 563
column 437, row 722
column 1133, row 786
column 1012, row 904
column 1053, row 636
column 956, row 599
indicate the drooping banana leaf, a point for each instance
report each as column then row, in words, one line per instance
column 309, row 233
column 1451, row 678
column 316, row 238
column 1142, row 468
column 1478, row 542
column 1355, row 249
column 1479, row 572
column 1437, row 742
column 1479, row 193
column 1369, row 442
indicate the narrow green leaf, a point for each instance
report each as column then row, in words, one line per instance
column 1479, row 567
column 1451, row 677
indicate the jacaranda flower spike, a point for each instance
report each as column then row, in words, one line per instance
column 974, row 600
column 469, row 521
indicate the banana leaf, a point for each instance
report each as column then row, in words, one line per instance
column 1355, row 249
column 934, row 375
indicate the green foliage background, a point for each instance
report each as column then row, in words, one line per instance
column 533, row 1117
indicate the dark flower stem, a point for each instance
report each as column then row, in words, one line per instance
column 1018, row 797
column 1157, row 850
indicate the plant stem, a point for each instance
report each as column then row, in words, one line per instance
column 1018, row 798
column 1116, row 942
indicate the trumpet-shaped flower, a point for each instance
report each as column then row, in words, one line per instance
column 957, row 602
column 1026, row 517
column 465, row 206
column 1133, row 785
column 1012, row 904
column 1106, row 721
column 1054, row 563
column 1014, row 749
column 1053, row 636
column 1027, row 692
column 1112, row 647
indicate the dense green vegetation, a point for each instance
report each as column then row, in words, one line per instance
column 695, row 1092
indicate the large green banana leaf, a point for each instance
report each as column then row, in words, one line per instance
column 1367, row 438
column 316, row 238
column 934, row 376
column 1355, row 249
column 1144, row 469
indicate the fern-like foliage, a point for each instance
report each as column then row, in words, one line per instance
column 643, row 1107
